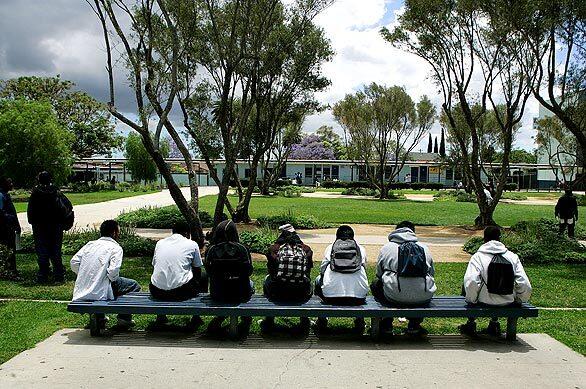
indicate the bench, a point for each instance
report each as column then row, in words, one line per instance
column 442, row 306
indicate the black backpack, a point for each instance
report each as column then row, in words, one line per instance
column 345, row 256
column 501, row 276
column 411, row 262
column 65, row 211
column 227, row 262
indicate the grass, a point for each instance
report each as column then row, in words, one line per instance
column 370, row 211
column 91, row 198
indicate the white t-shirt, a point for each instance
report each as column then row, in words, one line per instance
column 97, row 264
column 336, row 284
column 173, row 261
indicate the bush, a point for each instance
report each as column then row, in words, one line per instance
column 161, row 218
column 538, row 242
column 288, row 191
column 459, row 197
column 514, row 196
column 5, row 271
column 511, row 186
column 303, row 222
column 103, row 186
column 132, row 244
column 361, row 192
column 20, row 195
column 258, row 241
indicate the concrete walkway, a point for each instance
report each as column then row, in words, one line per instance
column 71, row 358
column 90, row 215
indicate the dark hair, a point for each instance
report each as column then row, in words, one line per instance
column 406, row 224
column 492, row 233
column 45, row 178
column 345, row 232
column 108, row 228
column 182, row 228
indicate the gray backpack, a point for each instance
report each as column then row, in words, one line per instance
column 345, row 256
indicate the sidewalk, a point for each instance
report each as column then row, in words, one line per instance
column 71, row 358
column 90, row 215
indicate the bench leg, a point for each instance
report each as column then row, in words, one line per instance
column 512, row 328
column 233, row 329
column 97, row 324
column 375, row 327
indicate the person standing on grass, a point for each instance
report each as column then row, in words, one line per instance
column 289, row 264
column 342, row 279
column 177, row 270
column 404, row 275
column 97, row 266
column 229, row 266
column 48, row 213
column 9, row 224
column 566, row 210
column 494, row 277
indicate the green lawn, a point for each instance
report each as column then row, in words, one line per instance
column 370, row 211
column 26, row 323
column 91, row 198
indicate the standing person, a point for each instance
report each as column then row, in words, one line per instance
column 494, row 277
column 177, row 270
column 49, row 213
column 566, row 210
column 289, row 264
column 342, row 277
column 97, row 266
column 229, row 266
column 404, row 275
column 9, row 224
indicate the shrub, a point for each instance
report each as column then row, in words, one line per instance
column 538, row 242
column 361, row 192
column 162, row 218
column 20, row 195
column 5, row 271
column 288, row 191
column 514, row 196
column 103, row 186
column 460, row 197
column 307, row 222
column 511, row 186
column 258, row 241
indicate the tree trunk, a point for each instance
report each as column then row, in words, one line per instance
column 241, row 214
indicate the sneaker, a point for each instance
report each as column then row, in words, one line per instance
column 161, row 320
column 386, row 327
column 416, row 331
column 215, row 325
column 469, row 328
column 126, row 323
column 321, row 324
column 493, row 329
column 359, row 325
column 267, row 324
column 195, row 322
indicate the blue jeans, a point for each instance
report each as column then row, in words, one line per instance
column 123, row 286
column 48, row 240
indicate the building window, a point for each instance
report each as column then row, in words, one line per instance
column 326, row 172
column 308, row 171
column 247, row 173
column 335, row 172
column 449, row 173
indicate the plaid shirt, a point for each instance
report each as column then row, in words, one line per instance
column 285, row 269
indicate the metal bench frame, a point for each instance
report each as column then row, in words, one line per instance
column 441, row 306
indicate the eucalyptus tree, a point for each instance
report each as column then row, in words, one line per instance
column 474, row 61
column 383, row 126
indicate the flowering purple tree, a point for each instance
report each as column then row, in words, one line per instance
column 174, row 151
column 311, row 148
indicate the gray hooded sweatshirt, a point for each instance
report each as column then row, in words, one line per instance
column 413, row 290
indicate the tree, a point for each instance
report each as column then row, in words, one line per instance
column 518, row 156
column 382, row 127
column 430, row 144
column 560, row 147
column 88, row 120
column 435, row 146
column 463, row 41
column 442, row 148
column 311, row 147
column 139, row 163
column 333, row 141
column 33, row 140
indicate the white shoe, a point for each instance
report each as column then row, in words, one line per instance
column 126, row 323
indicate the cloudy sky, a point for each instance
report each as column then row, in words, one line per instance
column 63, row 37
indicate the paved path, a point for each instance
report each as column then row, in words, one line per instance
column 70, row 358
column 89, row 215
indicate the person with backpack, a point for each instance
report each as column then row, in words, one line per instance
column 404, row 275
column 342, row 277
column 289, row 264
column 494, row 277
column 49, row 213
column 9, row 225
column 229, row 266
column 566, row 210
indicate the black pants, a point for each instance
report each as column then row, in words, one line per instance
column 376, row 287
column 571, row 229
column 185, row 292
column 7, row 239
column 278, row 291
column 343, row 301
column 48, row 240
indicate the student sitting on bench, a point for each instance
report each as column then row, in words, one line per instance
column 229, row 267
column 494, row 277
column 342, row 279
column 289, row 263
column 177, row 270
column 404, row 275
column 97, row 266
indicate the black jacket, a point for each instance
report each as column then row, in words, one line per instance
column 44, row 207
column 8, row 216
column 567, row 207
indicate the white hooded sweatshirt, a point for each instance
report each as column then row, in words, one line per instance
column 413, row 290
column 476, row 290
